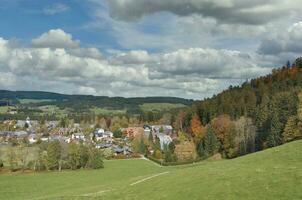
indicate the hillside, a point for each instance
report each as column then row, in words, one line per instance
column 30, row 103
column 261, row 113
column 271, row 174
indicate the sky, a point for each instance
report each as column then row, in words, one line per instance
column 134, row 48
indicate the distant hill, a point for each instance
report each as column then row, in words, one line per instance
column 6, row 94
column 85, row 104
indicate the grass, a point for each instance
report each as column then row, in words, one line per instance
column 146, row 107
column 4, row 109
column 52, row 109
column 272, row 174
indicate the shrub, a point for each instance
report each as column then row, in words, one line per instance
column 95, row 159
column 157, row 154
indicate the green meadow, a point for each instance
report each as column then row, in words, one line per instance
column 271, row 174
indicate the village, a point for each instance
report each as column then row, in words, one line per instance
column 120, row 142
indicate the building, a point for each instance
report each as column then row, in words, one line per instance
column 165, row 129
column 32, row 138
column 164, row 140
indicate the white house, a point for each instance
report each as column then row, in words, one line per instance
column 32, row 138
column 101, row 134
column 78, row 136
column 164, row 140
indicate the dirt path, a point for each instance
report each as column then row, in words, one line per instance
column 148, row 178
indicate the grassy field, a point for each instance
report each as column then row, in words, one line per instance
column 105, row 111
column 27, row 101
column 272, row 174
column 4, row 109
column 146, row 107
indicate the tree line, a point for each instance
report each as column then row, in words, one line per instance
column 51, row 156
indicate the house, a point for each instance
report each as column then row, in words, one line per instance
column 101, row 134
column 147, row 130
column 165, row 129
column 20, row 134
column 32, row 138
column 78, row 136
column 56, row 138
column 51, row 124
column 20, row 124
column 108, row 134
column 132, row 132
column 164, row 140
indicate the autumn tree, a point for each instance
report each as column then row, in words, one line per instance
column 291, row 130
column 221, row 126
column 196, row 128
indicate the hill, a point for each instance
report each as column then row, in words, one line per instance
column 271, row 174
column 261, row 113
column 31, row 102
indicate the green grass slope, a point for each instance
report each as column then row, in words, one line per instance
column 272, row 174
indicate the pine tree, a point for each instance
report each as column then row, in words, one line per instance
column 274, row 138
column 142, row 146
column 211, row 143
column 200, row 149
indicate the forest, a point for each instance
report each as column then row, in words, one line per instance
column 261, row 113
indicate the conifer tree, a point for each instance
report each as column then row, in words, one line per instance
column 211, row 143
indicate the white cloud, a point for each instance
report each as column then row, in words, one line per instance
column 55, row 9
column 189, row 73
column 55, row 38
column 285, row 41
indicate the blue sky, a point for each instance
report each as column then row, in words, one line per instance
column 190, row 49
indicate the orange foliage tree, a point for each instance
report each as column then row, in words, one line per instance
column 196, row 128
column 221, row 126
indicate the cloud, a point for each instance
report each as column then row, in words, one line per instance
column 286, row 41
column 190, row 73
column 55, row 9
column 55, row 38
column 228, row 11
